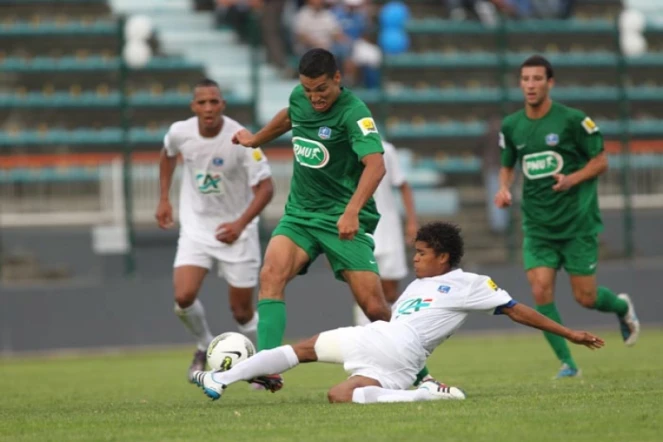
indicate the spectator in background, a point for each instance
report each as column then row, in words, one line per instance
column 360, row 58
column 489, row 152
column 487, row 11
column 237, row 15
column 271, row 21
column 315, row 26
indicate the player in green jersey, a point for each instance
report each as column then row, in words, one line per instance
column 330, row 210
column 560, row 150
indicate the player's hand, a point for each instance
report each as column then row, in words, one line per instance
column 164, row 215
column 587, row 339
column 348, row 225
column 503, row 198
column 229, row 232
column 563, row 182
column 411, row 228
column 243, row 137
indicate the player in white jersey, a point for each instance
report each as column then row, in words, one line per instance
column 383, row 358
column 224, row 188
column 388, row 237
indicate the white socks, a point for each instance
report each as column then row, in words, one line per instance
column 359, row 317
column 250, row 329
column 274, row 361
column 372, row 395
column 193, row 318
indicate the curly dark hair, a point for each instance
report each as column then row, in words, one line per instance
column 443, row 238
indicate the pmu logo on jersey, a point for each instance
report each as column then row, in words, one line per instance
column 324, row 133
column 413, row 305
column 217, row 161
column 444, row 289
column 542, row 164
column 310, row 153
column 552, row 139
column 209, row 183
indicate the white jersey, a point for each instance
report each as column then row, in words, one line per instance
column 389, row 227
column 436, row 307
column 217, row 178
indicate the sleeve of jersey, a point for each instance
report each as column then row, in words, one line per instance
column 393, row 165
column 508, row 151
column 363, row 132
column 589, row 136
column 170, row 143
column 485, row 296
column 257, row 166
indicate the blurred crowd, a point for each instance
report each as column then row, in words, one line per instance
column 349, row 28
column 290, row 28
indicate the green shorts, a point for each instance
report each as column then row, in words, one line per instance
column 578, row 256
column 355, row 254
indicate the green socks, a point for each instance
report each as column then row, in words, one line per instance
column 607, row 301
column 421, row 375
column 558, row 343
column 271, row 323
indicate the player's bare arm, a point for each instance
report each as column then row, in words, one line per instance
column 527, row 316
column 503, row 197
column 164, row 214
column 374, row 171
column 411, row 223
column 595, row 167
column 262, row 195
column 278, row 126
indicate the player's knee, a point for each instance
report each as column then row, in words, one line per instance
column 185, row 298
column 338, row 394
column 272, row 281
column 585, row 298
column 377, row 311
column 542, row 293
column 242, row 313
column 390, row 293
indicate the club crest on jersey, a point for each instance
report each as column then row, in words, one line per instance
column 552, row 139
column 444, row 289
column 324, row 133
column 217, row 161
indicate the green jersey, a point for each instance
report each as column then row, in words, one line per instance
column 328, row 148
column 563, row 141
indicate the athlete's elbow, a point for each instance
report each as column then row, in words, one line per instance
column 266, row 189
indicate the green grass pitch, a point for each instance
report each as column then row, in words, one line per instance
column 143, row 396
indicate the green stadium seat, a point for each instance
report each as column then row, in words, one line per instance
column 92, row 63
column 54, row 28
column 108, row 99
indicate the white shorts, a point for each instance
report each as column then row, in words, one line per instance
column 387, row 352
column 238, row 264
column 392, row 264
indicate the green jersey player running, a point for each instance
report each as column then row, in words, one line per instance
column 330, row 210
column 561, row 153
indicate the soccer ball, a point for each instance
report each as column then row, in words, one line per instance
column 228, row 349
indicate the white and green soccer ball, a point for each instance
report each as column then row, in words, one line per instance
column 229, row 349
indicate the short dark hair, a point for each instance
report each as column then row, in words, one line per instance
column 317, row 62
column 207, row 82
column 443, row 238
column 539, row 61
